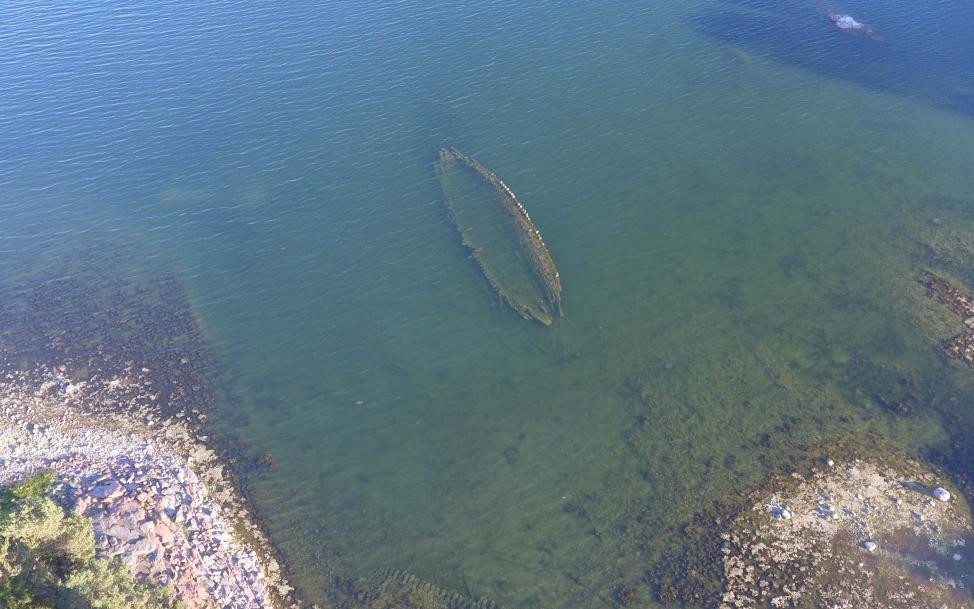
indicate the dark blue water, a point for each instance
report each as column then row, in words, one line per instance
column 737, row 196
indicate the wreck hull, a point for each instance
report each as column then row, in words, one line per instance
column 500, row 236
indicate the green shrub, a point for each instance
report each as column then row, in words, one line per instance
column 47, row 559
column 14, row 594
column 36, row 487
column 39, row 544
column 108, row 585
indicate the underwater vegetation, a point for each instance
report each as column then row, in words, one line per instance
column 960, row 347
column 93, row 316
column 400, row 590
column 501, row 237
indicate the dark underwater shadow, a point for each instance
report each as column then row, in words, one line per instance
column 921, row 52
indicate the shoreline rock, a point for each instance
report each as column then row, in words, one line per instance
column 159, row 499
column 862, row 534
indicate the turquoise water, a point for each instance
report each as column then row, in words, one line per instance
column 737, row 197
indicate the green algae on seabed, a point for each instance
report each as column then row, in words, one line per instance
column 501, row 237
column 402, row 590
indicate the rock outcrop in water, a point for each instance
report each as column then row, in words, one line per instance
column 501, row 237
column 851, row 534
column 847, row 23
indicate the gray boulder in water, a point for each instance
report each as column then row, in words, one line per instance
column 845, row 22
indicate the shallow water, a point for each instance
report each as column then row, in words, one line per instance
column 734, row 193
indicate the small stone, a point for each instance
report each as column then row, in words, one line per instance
column 141, row 547
column 869, row 546
column 106, row 489
column 941, row 494
column 830, row 462
column 120, row 532
column 957, row 557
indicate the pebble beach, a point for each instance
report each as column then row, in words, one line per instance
column 158, row 498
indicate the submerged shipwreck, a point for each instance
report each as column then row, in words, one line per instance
column 501, row 237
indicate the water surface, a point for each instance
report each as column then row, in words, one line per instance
column 734, row 193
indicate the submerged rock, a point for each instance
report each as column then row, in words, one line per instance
column 961, row 346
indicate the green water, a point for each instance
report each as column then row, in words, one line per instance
column 738, row 211
column 723, row 278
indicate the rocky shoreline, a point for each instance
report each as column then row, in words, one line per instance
column 855, row 533
column 159, row 499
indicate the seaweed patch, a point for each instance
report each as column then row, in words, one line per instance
column 961, row 346
column 402, row 590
